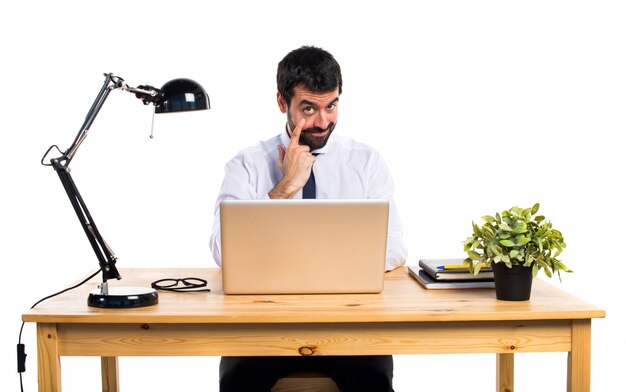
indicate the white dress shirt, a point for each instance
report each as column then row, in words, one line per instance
column 344, row 169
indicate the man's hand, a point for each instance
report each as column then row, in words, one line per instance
column 295, row 163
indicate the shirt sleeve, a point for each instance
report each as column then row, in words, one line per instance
column 239, row 184
column 381, row 186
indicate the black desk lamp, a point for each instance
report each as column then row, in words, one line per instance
column 175, row 96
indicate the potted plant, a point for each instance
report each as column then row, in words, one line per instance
column 516, row 245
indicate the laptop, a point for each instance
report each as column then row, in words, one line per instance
column 310, row 246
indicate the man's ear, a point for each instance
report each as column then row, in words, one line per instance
column 282, row 104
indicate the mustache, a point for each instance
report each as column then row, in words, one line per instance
column 318, row 129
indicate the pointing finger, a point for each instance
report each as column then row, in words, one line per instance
column 295, row 135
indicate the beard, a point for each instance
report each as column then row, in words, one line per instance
column 314, row 142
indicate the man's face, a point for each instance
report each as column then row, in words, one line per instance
column 319, row 111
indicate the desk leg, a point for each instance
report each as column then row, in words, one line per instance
column 579, row 359
column 48, row 360
column 110, row 374
column 504, row 372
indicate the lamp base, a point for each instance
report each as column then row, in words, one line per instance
column 123, row 297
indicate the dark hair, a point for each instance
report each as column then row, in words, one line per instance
column 312, row 67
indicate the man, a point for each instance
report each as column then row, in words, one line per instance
column 309, row 85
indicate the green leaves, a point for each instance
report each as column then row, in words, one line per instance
column 489, row 219
column 516, row 236
column 473, row 255
column 519, row 227
column 507, row 243
column 505, row 226
column 534, row 209
column 521, row 240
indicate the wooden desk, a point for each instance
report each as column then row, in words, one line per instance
column 404, row 319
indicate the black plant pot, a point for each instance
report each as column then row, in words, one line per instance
column 512, row 284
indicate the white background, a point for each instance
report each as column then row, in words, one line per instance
column 476, row 105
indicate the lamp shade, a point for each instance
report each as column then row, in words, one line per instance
column 182, row 95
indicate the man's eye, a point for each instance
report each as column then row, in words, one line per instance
column 308, row 110
column 331, row 107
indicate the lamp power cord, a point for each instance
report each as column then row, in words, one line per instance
column 21, row 348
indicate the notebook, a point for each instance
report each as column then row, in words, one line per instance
column 310, row 246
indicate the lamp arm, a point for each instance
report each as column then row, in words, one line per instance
column 111, row 82
column 147, row 94
column 105, row 255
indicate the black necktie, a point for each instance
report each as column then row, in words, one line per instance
column 309, row 192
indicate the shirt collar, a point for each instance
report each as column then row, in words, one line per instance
column 285, row 139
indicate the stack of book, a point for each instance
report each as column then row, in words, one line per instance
column 450, row 274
